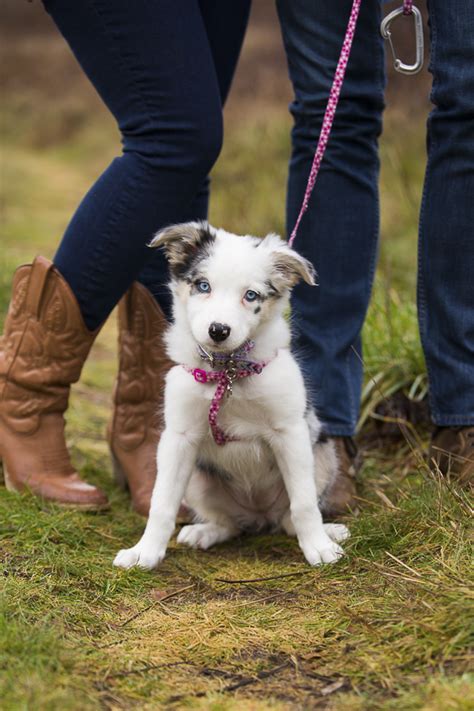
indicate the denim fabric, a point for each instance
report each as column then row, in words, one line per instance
column 340, row 230
column 446, row 240
column 164, row 70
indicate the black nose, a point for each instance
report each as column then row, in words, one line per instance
column 219, row 331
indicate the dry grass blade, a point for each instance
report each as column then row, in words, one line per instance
column 400, row 562
column 144, row 670
column 237, row 581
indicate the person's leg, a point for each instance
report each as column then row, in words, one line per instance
column 446, row 246
column 225, row 25
column 339, row 232
column 152, row 65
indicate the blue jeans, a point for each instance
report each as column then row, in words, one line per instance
column 164, row 70
column 339, row 232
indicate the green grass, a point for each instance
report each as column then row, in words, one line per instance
column 393, row 616
column 388, row 627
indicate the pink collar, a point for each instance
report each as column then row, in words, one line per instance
column 235, row 365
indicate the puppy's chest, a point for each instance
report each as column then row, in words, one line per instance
column 243, row 418
column 245, row 466
column 247, row 459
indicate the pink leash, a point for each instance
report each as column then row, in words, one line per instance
column 329, row 114
column 224, row 385
column 332, row 106
column 226, row 377
column 234, row 366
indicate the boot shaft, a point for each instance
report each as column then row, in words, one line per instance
column 137, row 421
column 44, row 346
column 143, row 364
column 42, row 352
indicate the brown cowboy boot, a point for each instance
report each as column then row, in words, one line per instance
column 42, row 352
column 136, row 425
column 452, row 450
column 341, row 498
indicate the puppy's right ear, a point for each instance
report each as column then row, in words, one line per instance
column 182, row 243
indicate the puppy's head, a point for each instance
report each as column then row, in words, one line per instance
column 226, row 286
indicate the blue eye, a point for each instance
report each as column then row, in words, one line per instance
column 250, row 295
column 203, row 286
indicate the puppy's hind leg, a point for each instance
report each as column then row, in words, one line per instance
column 287, row 525
column 337, row 532
column 205, row 535
column 214, row 507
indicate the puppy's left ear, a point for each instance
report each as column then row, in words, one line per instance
column 183, row 242
column 289, row 268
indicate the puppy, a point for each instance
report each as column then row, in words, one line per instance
column 240, row 445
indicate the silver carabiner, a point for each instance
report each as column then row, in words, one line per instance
column 386, row 34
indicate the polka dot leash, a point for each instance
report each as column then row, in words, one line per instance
column 329, row 114
column 234, row 366
column 333, row 100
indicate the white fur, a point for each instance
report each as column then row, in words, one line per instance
column 272, row 476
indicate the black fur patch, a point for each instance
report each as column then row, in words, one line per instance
column 257, row 310
column 192, row 254
column 212, row 471
column 272, row 292
column 323, row 437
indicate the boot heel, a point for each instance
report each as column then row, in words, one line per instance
column 6, row 479
column 119, row 474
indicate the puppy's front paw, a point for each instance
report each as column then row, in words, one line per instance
column 321, row 550
column 143, row 556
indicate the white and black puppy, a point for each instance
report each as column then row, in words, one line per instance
column 240, row 444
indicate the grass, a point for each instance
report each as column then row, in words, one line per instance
column 393, row 358
column 388, row 627
column 391, row 617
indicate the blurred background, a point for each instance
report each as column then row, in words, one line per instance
column 57, row 137
column 388, row 627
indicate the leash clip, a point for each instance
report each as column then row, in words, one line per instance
column 231, row 374
column 386, row 34
column 204, row 355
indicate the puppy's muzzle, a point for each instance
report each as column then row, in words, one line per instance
column 219, row 332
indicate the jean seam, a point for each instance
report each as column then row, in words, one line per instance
column 433, row 49
column 463, row 420
column 352, row 405
column 422, row 301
